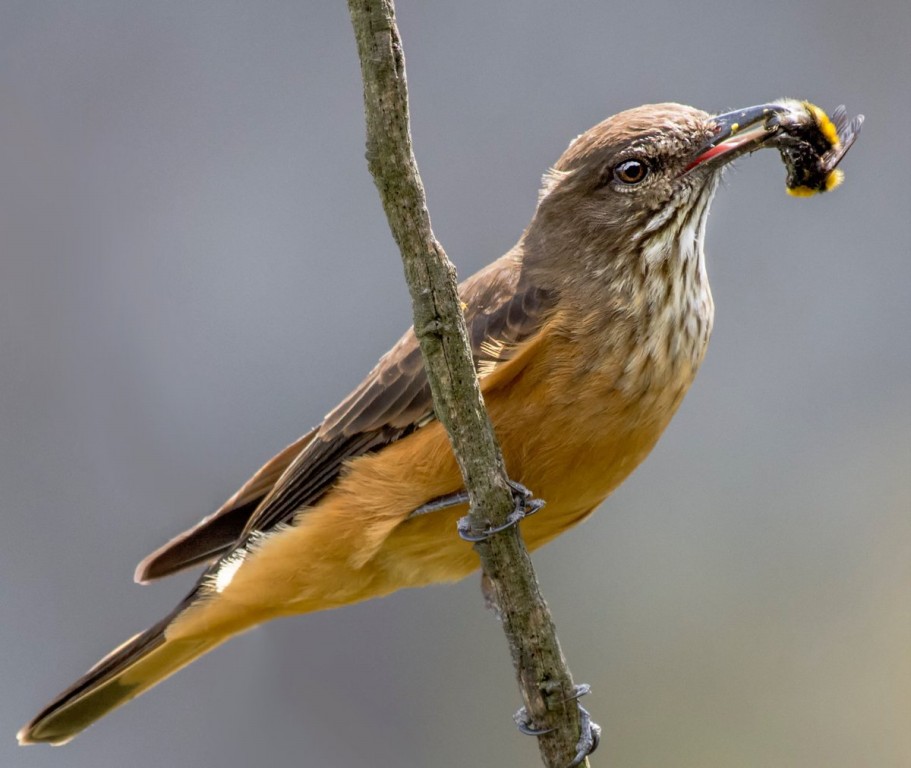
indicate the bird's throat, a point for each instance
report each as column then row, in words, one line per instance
column 674, row 306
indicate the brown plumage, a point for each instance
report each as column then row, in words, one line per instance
column 587, row 335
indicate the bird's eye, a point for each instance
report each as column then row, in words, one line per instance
column 630, row 172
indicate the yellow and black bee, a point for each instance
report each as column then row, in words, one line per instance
column 812, row 144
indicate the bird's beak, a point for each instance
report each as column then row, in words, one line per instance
column 739, row 132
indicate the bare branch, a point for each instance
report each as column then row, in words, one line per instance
column 544, row 678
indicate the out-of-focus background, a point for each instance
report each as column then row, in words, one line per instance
column 195, row 268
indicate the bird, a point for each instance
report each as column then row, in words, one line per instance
column 586, row 336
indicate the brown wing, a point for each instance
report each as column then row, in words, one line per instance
column 503, row 309
column 217, row 533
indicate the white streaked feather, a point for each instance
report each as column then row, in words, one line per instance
column 225, row 573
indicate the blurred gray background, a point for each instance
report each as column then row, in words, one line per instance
column 195, row 267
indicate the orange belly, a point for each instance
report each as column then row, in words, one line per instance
column 570, row 437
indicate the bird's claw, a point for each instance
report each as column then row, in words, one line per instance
column 590, row 735
column 524, row 724
column 589, row 738
column 525, row 505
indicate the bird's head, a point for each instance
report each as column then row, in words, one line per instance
column 650, row 172
column 630, row 163
column 630, row 172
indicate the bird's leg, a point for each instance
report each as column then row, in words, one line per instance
column 440, row 503
column 525, row 505
column 590, row 735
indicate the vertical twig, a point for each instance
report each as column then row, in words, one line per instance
column 543, row 675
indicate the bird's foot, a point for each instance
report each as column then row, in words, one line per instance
column 525, row 505
column 590, row 731
column 590, row 735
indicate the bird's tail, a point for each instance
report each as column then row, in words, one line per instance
column 140, row 663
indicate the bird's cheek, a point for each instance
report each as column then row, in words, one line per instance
column 610, row 211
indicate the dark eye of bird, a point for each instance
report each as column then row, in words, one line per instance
column 630, row 171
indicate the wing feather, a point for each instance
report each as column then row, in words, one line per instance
column 503, row 309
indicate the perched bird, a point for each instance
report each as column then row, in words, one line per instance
column 586, row 336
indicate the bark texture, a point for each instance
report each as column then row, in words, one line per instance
column 544, row 678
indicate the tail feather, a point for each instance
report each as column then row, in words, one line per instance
column 140, row 663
